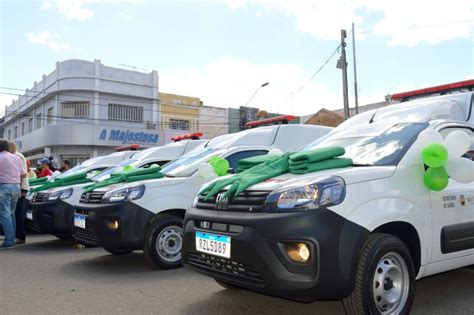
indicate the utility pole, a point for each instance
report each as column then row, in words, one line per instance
column 342, row 64
column 355, row 71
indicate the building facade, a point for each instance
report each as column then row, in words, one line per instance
column 84, row 109
column 179, row 112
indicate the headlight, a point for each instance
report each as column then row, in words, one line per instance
column 328, row 191
column 60, row 194
column 126, row 193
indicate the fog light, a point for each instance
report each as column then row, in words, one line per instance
column 298, row 252
column 205, row 225
column 113, row 225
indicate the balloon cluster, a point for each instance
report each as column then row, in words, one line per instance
column 443, row 158
column 220, row 165
column 209, row 171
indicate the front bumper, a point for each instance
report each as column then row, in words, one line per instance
column 258, row 261
column 51, row 217
column 130, row 234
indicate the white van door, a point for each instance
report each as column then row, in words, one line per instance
column 453, row 213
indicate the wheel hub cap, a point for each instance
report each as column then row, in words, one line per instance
column 391, row 284
column 168, row 243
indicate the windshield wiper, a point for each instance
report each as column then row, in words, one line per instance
column 362, row 164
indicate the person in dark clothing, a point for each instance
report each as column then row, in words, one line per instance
column 65, row 165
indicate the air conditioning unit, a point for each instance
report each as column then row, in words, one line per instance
column 150, row 125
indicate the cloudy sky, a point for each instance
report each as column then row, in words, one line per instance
column 221, row 50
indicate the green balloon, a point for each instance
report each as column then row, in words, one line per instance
column 128, row 168
column 434, row 155
column 214, row 160
column 436, row 178
column 221, row 167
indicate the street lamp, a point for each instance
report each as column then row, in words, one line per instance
column 256, row 91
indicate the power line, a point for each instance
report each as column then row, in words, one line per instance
column 316, row 72
column 86, row 120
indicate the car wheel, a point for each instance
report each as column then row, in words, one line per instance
column 385, row 279
column 163, row 242
column 227, row 286
column 117, row 251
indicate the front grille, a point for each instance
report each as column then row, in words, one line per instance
column 82, row 211
column 85, row 235
column 38, row 197
column 247, row 201
column 225, row 267
column 92, row 197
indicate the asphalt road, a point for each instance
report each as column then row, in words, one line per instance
column 50, row 276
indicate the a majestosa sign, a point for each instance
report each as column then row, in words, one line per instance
column 128, row 136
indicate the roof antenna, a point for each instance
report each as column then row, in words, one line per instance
column 373, row 116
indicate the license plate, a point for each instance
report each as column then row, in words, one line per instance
column 29, row 214
column 80, row 221
column 214, row 244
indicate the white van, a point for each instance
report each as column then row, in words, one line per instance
column 149, row 215
column 52, row 209
column 362, row 233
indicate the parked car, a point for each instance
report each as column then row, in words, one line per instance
column 149, row 214
column 362, row 233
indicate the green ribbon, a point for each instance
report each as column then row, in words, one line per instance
column 37, row 181
column 75, row 179
column 153, row 172
column 295, row 163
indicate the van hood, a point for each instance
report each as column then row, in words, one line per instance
column 351, row 175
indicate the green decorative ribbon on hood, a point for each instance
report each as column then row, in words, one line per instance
column 37, row 181
column 295, row 163
column 245, row 164
column 131, row 175
column 75, row 179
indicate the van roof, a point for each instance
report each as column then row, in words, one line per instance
column 452, row 107
column 283, row 137
column 171, row 150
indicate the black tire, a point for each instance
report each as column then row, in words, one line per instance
column 151, row 248
column 118, row 251
column 227, row 286
column 377, row 246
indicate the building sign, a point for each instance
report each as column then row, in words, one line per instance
column 128, row 136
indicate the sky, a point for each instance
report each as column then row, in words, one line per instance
column 223, row 50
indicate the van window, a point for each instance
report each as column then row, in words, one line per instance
column 236, row 157
column 373, row 148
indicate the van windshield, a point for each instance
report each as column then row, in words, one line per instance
column 73, row 171
column 187, row 164
column 116, row 169
column 373, row 144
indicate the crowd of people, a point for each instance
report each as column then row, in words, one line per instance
column 15, row 172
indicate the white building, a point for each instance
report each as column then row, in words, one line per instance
column 84, row 109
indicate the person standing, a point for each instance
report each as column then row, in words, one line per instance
column 11, row 173
column 22, row 204
column 45, row 169
column 31, row 173
column 65, row 165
